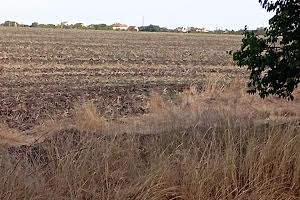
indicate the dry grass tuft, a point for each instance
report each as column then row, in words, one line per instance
column 10, row 137
column 87, row 118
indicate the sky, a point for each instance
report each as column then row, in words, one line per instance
column 212, row 14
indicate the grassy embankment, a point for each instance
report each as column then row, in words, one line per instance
column 217, row 144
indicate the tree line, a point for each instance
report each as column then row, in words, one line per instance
column 103, row 26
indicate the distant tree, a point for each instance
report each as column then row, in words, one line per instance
column 100, row 27
column 154, row 28
column 23, row 25
column 164, row 29
column 78, row 26
column 142, row 28
column 260, row 31
column 219, row 31
column 34, row 25
column 274, row 60
column 51, row 26
column 46, row 26
column 63, row 25
column 150, row 28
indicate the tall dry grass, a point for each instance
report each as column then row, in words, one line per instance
column 216, row 144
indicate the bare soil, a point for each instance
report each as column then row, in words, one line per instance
column 46, row 72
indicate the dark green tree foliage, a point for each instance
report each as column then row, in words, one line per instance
column 153, row 28
column 34, row 25
column 274, row 60
column 100, row 27
column 78, row 26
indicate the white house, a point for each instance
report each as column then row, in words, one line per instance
column 202, row 30
column 183, row 29
column 120, row 27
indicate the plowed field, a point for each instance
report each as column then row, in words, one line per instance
column 46, row 72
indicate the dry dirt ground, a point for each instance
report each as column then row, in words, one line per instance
column 45, row 72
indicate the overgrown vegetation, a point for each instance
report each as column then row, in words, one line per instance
column 217, row 144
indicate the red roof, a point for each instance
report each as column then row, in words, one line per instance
column 119, row 25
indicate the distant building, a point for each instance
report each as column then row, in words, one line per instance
column 119, row 27
column 11, row 24
column 132, row 28
column 183, row 29
column 202, row 30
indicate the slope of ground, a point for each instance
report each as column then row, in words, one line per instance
column 217, row 144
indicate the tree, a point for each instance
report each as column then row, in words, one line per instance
column 100, row 27
column 64, row 25
column 150, row 28
column 78, row 26
column 274, row 60
column 34, row 25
